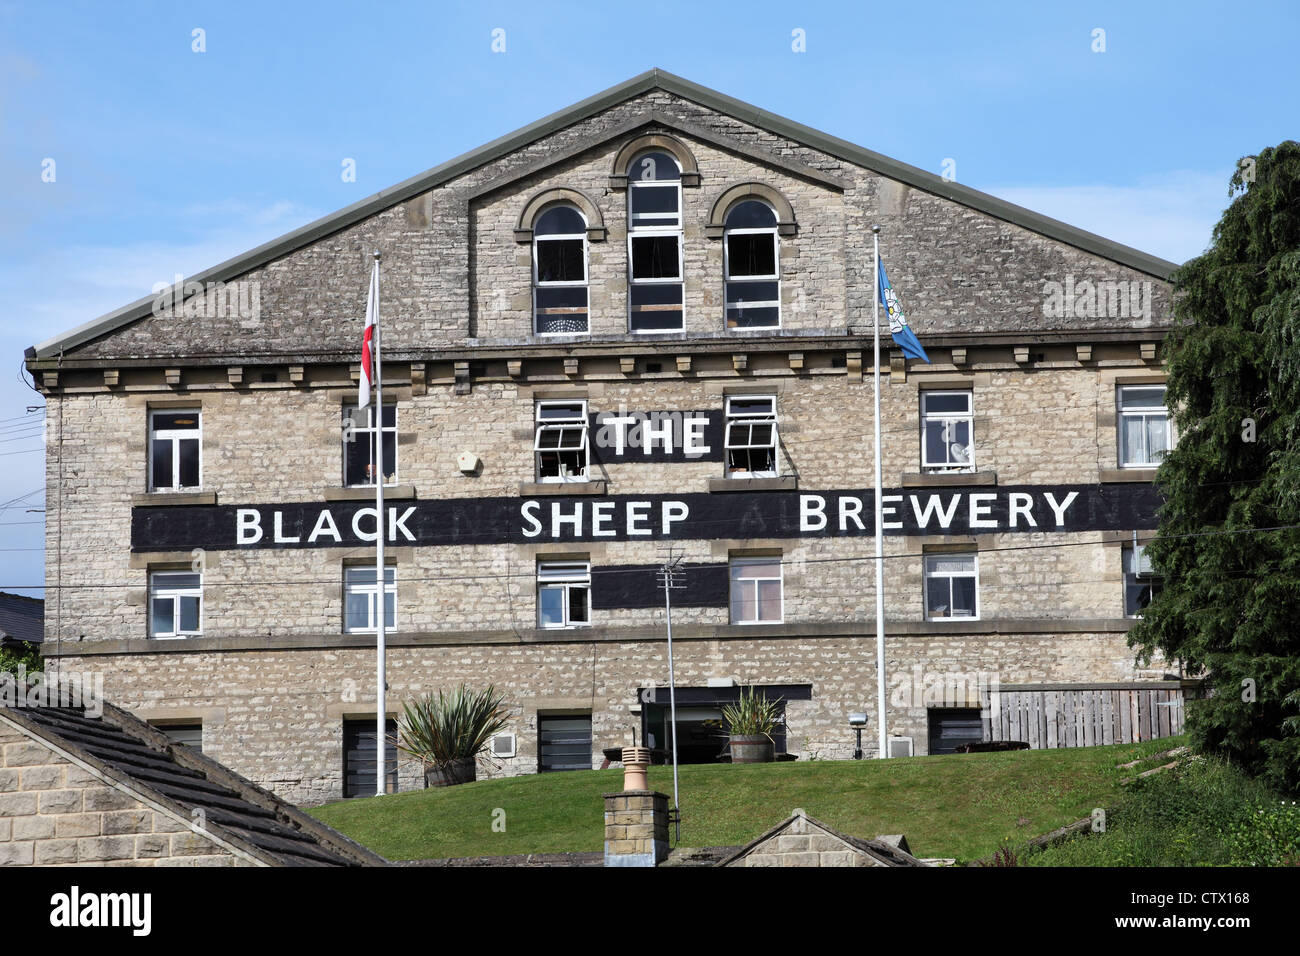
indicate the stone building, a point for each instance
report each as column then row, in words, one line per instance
column 641, row 322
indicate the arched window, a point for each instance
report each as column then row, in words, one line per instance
column 752, row 267
column 654, row 243
column 560, row 272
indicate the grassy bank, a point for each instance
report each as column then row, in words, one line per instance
column 961, row 806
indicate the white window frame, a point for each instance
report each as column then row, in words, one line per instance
column 928, row 576
column 586, row 269
column 565, row 577
column 934, row 468
column 741, row 418
column 546, row 425
column 754, row 560
column 363, row 433
column 641, row 231
column 371, row 592
column 728, row 280
column 1149, row 577
column 175, row 436
column 158, row 591
column 1143, row 413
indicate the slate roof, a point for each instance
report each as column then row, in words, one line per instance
column 149, row 763
column 21, row 618
column 645, row 82
column 888, row 853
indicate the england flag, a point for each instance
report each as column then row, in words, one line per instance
column 367, row 339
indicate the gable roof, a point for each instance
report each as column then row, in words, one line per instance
column 22, row 618
column 147, row 763
column 885, row 853
column 654, row 79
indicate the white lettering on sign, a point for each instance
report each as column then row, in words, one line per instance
column 851, row 508
column 602, row 512
column 396, row 524
column 1059, row 510
column 279, row 531
column 325, row 525
column 663, row 434
column 980, row 505
column 1021, row 503
column 620, row 424
column 887, row 510
column 812, row 512
column 932, row 508
column 692, row 433
column 529, row 512
column 370, row 535
column 636, row 513
column 248, row 526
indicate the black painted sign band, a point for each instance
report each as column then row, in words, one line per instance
column 696, row 516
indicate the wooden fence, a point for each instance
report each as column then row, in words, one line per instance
column 1047, row 716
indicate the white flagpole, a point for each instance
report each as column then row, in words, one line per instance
column 880, row 540
column 381, row 684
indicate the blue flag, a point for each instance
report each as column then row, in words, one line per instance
column 902, row 332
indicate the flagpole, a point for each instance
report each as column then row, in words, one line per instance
column 381, row 599
column 880, row 541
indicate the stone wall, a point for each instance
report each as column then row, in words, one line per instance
column 276, row 716
column 55, row 812
column 1031, row 428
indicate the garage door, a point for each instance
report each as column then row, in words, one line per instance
column 564, row 743
column 359, row 758
column 950, row 728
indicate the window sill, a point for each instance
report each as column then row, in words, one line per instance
column 367, row 493
column 783, row 483
column 175, row 498
column 536, row 489
column 925, row 479
column 1109, row 475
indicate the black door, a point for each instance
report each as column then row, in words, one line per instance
column 359, row 757
column 564, row 743
column 950, row 728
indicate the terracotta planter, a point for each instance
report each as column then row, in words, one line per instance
column 462, row 770
column 751, row 749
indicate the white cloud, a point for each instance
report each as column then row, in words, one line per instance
column 1170, row 216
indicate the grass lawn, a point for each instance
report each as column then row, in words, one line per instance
column 950, row 806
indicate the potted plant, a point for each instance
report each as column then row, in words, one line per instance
column 752, row 720
column 447, row 732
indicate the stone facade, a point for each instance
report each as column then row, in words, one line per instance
column 273, row 675
column 55, row 811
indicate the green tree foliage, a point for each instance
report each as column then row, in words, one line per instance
column 26, row 656
column 1231, row 602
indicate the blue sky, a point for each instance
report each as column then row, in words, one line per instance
column 168, row 160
